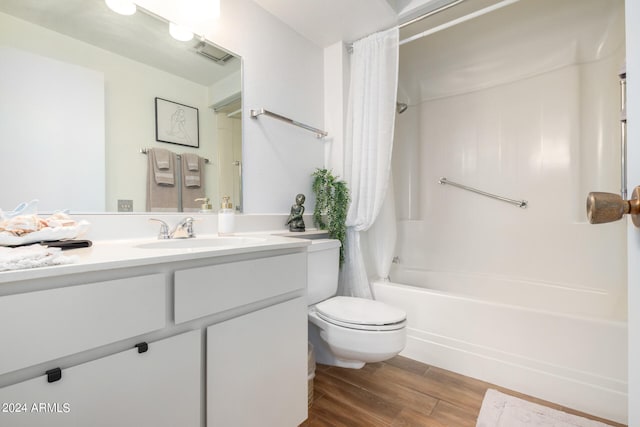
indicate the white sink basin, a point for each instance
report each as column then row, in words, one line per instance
column 215, row 242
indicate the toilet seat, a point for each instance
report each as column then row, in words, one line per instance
column 360, row 313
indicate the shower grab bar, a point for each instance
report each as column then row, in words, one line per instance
column 146, row 151
column 520, row 203
column 319, row 133
column 623, row 132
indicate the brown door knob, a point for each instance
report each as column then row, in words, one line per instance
column 609, row 207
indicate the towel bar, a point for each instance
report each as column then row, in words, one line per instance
column 520, row 203
column 146, row 151
column 319, row 133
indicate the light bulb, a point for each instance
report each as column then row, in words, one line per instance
column 179, row 32
column 123, row 7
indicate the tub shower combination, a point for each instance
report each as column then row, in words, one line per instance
column 523, row 103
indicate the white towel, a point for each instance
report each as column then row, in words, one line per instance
column 32, row 257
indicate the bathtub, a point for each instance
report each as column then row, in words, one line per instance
column 482, row 328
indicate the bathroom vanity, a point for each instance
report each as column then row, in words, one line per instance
column 135, row 335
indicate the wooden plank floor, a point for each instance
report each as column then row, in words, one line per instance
column 401, row 392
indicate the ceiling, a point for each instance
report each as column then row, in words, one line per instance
column 325, row 22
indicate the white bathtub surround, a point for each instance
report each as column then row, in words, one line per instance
column 522, row 102
column 501, row 410
column 574, row 360
column 369, row 142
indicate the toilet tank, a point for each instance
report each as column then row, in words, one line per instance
column 323, row 258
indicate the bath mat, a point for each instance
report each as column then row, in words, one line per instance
column 501, row 410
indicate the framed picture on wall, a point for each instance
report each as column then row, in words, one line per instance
column 177, row 123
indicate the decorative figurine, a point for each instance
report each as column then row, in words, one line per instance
column 295, row 221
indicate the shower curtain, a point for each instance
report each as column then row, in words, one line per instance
column 368, row 144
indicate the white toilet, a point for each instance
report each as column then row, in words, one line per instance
column 347, row 331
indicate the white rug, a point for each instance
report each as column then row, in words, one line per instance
column 501, row 410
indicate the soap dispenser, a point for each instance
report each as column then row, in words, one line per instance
column 226, row 217
column 205, row 207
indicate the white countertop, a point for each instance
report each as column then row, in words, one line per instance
column 110, row 254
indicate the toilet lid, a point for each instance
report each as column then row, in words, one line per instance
column 360, row 313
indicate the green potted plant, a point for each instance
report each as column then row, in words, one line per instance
column 332, row 203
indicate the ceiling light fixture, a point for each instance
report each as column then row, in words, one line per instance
column 179, row 32
column 123, row 7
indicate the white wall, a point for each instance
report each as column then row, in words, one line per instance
column 283, row 72
column 336, row 78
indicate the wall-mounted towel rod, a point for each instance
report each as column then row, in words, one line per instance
column 520, row 203
column 146, row 151
column 255, row 113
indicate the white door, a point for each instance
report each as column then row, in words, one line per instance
column 633, row 238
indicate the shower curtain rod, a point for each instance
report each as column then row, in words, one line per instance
column 431, row 13
column 446, row 24
column 419, row 18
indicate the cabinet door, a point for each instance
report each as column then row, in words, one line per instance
column 257, row 368
column 160, row 387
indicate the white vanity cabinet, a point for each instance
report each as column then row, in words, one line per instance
column 256, row 360
column 226, row 338
column 257, row 368
column 159, row 388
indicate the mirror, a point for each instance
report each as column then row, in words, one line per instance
column 78, row 106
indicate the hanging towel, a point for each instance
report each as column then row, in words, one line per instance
column 163, row 158
column 162, row 193
column 191, row 176
column 163, row 166
column 192, row 183
column 193, row 161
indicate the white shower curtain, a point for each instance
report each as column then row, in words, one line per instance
column 368, row 143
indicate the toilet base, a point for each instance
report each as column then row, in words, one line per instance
column 323, row 354
column 352, row 348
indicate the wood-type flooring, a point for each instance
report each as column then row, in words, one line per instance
column 401, row 392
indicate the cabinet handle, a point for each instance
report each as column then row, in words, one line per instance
column 142, row 347
column 54, row 375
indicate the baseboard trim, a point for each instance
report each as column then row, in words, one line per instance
column 487, row 365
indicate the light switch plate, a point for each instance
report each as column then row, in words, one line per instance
column 125, row 205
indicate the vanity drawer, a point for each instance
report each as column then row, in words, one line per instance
column 39, row 326
column 213, row 289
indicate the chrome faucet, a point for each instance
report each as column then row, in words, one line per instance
column 182, row 230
